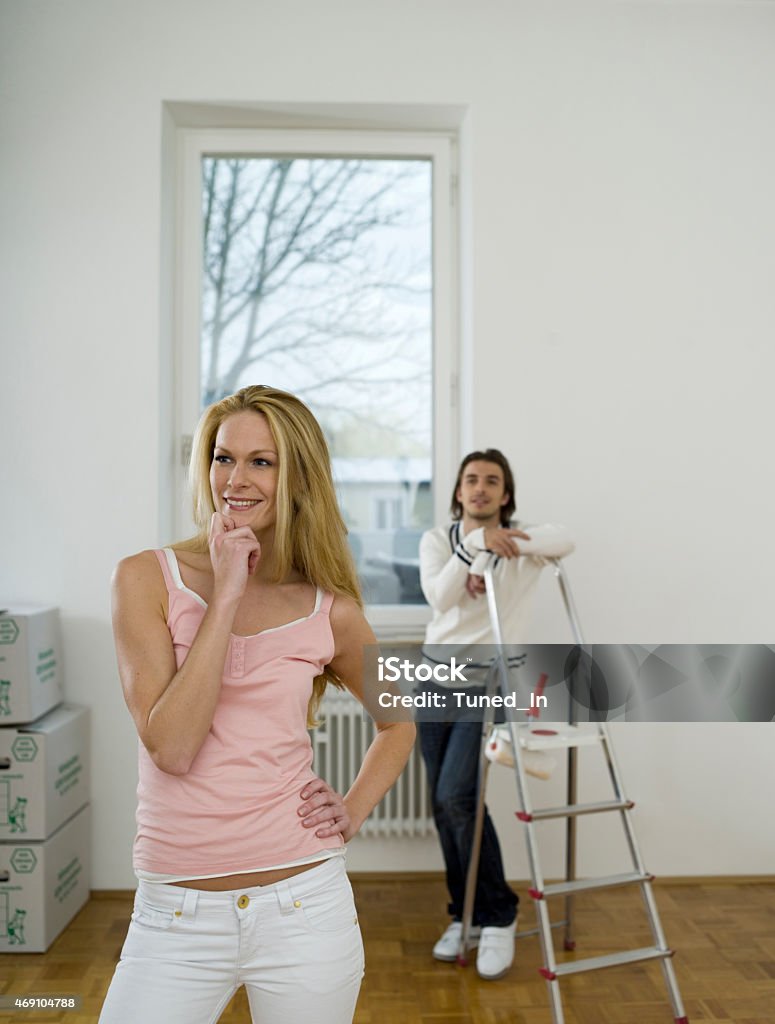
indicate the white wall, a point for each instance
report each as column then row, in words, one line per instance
column 618, row 169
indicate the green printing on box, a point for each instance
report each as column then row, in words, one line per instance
column 46, row 666
column 24, row 748
column 9, row 631
column 67, row 879
column 23, row 860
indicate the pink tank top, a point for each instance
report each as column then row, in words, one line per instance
column 236, row 809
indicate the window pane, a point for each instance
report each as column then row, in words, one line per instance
column 317, row 278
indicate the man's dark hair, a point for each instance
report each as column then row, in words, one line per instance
column 497, row 457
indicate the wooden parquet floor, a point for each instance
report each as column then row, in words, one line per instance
column 724, row 935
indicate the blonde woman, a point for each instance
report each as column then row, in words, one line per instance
column 225, row 645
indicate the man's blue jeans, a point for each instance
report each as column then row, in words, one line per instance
column 451, row 754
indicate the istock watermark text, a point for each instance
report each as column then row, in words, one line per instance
column 391, row 670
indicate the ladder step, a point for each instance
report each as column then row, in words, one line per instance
column 589, row 884
column 572, row 810
column 560, row 737
column 597, row 963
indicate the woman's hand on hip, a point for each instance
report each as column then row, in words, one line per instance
column 323, row 807
column 234, row 553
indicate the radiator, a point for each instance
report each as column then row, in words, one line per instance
column 340, row 743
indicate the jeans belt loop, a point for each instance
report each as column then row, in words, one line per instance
column 284, row 897
column 190, row 900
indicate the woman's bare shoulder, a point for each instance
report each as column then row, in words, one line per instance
column 138, row 570
column 345, row 607
column 347, row 614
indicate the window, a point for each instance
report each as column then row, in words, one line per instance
column 322, row 263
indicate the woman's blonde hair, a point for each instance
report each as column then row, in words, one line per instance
column 310, row 536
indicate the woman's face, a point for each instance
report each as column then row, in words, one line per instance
column 244, row 470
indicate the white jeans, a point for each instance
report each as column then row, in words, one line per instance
column 295, row 946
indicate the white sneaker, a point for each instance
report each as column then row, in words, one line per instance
column 496, row 951
column 449, row 944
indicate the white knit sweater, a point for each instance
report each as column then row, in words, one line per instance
column 447, row 556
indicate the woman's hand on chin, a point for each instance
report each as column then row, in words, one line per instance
column 234, row 554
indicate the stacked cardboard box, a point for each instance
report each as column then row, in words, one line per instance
column 30, row 663
column 44, row 786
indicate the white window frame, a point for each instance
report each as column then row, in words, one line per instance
column 390, row 622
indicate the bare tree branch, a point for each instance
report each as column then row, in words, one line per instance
column 287, row 242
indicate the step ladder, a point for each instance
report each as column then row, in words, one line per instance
column 525, row 737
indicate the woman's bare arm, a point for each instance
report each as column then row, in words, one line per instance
column 173, row 708
column 390, row 749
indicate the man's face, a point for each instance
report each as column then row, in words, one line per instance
column 482, row 491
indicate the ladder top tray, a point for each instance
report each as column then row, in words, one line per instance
column 558, row 737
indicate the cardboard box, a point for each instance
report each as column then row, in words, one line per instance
column 43, row 885
column 44, row 773
column 30, row 662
